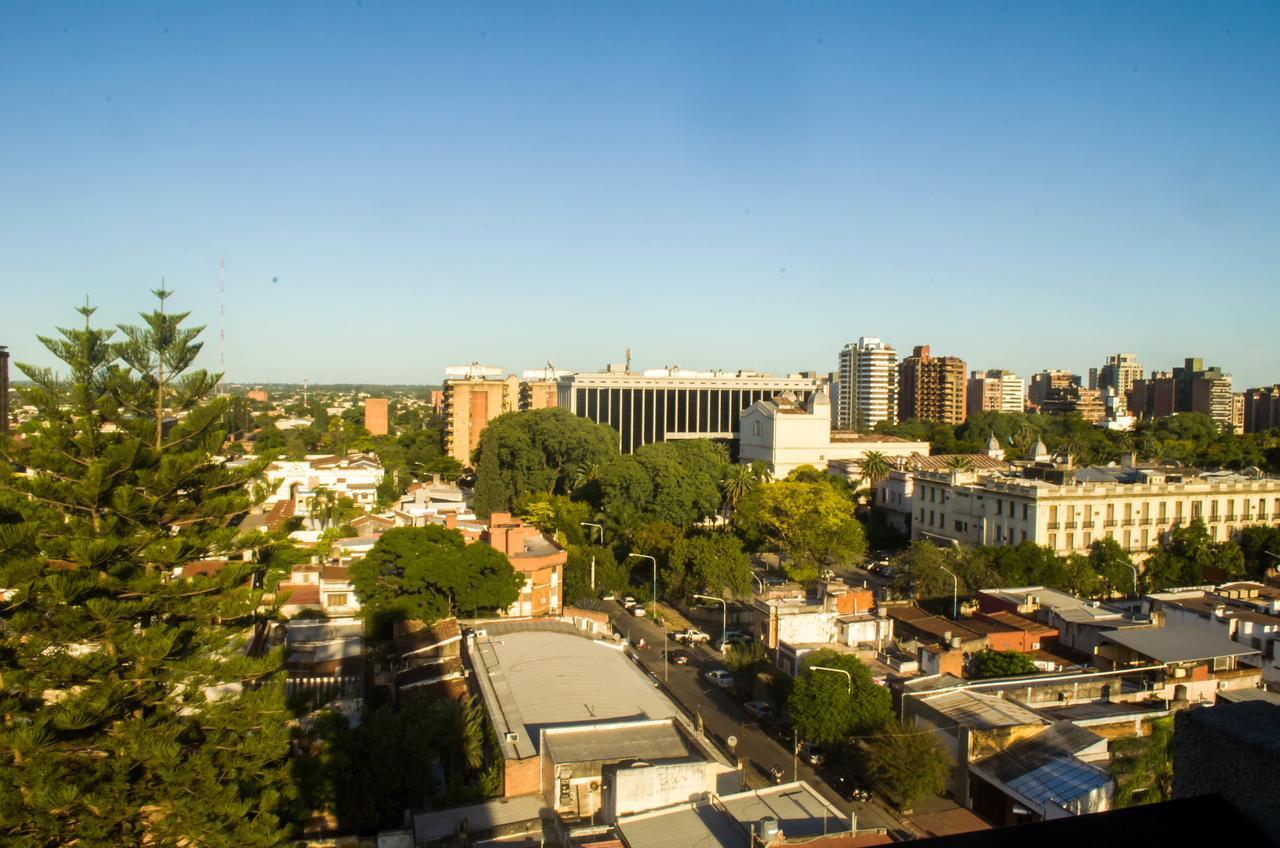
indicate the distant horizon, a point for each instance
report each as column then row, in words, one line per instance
column 398, row 188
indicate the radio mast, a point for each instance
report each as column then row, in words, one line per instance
column 222, row 322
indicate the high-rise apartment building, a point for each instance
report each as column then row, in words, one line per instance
column 1120, row 372
column 1261, row 409
column 4, row 390
column 931, row 388
column 1045, row 383
column 1189, row 388
column 671, row 403
column 996, row 391
column 474, row 395
column 375, row 416
column 868, row 379
column 539, row 387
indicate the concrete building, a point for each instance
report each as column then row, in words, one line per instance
column 893, row 493
column 868, row 379
column 1189, row 388
column 1067, row 509
column 474, row 395
column 788, row 433
column 568, row 709
column 1045, row 382
column 1089, row 404
column 931, row 388
column 533, row 555
column 672, row 403
column 260, row 395
column 298, row 482
column 538, row 388
column 1261, row 409
column 1119, row 373
column 996, row 391
column 375, row 416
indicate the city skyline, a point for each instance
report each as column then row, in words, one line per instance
column 721, row 186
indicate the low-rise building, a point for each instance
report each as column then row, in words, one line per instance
column 787, row 432
column 540, row 560
column 1197, row 665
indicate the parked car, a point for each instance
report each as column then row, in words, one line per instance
column 628, row 601
column 638, row 611
column 679, row 657
column 814, row 755
column 719, row 677
column 693, row 635
column 758, row 709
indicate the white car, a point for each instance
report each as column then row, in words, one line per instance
column 638, row 611
column 692, row 635
column 628, row 602
column 719, row 677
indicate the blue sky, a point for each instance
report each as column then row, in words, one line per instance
column 713, row 185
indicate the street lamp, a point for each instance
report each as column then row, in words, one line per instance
column 1134, row 569
column 724, row 614
column 655, row 608
column 593, row 556
column 758, row 580
column 955, row 589
column 837, row 671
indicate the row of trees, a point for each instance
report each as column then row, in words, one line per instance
column 1188, row 438
column 1188, row 557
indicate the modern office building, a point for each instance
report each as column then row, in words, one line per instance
column 996, row 391
column 932, row 388
column 1119, row 373
column 1188, row 388
column 672, row 403
column 868, row 379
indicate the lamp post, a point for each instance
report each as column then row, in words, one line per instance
column 724, row 615
column 1134, row 569
column 758, row 580
column 593, row 556
column 655, row 608
column 955, row 589
column 837, row 671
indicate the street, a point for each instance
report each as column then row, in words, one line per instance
column 722, row 716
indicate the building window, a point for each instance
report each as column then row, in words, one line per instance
column 1088, row 539
column 1053, row 514
column 1071, row 541
column 336, row 599
column 1024, row 512
column 1163, row 511
column 1222, row 663
column 1053, row 541
column 1024, row 535
column 1177, row 511
column 1213, row 510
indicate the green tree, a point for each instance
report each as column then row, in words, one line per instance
column 1189, row 556
column 711, row 564
column 536, row 451
column 738, row 481
column 430, row 573
column 125, row 720
column 1260, row 548
column 874, row 467
column 809, row 522
column 908, row 763
column 577, row 574
column 989, row 663
column 828, row 707
column 1112, row 563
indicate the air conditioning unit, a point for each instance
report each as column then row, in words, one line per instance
column 512, row 736
column 481, row 633
column 1222, row 684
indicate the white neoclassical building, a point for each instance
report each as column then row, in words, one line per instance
column 789, row 433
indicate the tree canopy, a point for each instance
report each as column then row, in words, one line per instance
column 126, row 716
column 989, row 663
column 908, row 763
column 828, row 707
column 809, row 522
column 430, row 573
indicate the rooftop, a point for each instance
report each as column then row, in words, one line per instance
column 649, row 740
column 981, row 711
column 544, row 676
column 1177, row 644
column 799, row 810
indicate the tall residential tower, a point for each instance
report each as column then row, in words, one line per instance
column 868, row 376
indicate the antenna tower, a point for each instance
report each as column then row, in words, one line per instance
column 222, row 324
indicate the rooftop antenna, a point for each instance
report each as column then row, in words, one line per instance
column 628, row 360
column 304, row 391
column 222, row 324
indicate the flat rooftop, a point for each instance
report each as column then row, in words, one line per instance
column 535, row 678
column 800, row 812
column 981, row 711
column 657, row 740
column 1177, row 644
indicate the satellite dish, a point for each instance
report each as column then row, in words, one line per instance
column 732, row 741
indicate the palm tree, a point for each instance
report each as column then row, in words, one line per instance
column 322, row 503
column 738, row 481
column 959, row 462
column 874, row 467
column 584, row 474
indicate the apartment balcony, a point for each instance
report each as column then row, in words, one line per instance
column 1070, row 525
column 1110, row 522
column 1144, row 521
column 1128, row 522
column 1088, row 525
column 1053, row 525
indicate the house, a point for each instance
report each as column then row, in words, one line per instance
column 1193, row 665
column 533, row 555
column 1080, row 623
column 1051, row 774
column 355, row 476
column 313, row 586
column 1008, row 631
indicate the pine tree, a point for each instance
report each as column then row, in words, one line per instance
column 131, row 714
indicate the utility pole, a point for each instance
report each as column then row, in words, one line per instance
column 222, row 326
column 593, row 556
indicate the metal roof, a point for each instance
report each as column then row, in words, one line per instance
column 640, row 740
column 727, row 821
column 981, row 711
column 480, row 818
column 1177, row 644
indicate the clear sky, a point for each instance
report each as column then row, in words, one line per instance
column 397, row 188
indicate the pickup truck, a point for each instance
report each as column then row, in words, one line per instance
column 692, row 636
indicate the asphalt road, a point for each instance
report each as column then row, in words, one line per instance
column 723, row 716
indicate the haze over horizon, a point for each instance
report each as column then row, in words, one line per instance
column 397, row 189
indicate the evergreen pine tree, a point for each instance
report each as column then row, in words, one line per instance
column 130, row 711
